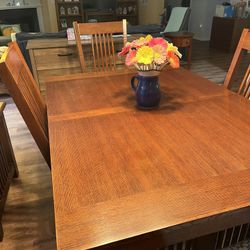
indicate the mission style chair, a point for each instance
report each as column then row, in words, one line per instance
column 8, row 166
column 16, row 75
column 245, row 85
column 241, row 50
column 103, row 54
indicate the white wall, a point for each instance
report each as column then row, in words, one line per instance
column 49, row 15
column 202, row 12
column 150, row 10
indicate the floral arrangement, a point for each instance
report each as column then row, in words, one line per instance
column 148, row 53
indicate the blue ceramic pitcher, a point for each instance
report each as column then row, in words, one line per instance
column 147, row 89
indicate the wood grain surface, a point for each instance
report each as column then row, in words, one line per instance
column 119, row 172
column 16, row 75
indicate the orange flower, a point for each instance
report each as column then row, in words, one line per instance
column 154, row 53
column 173, row 59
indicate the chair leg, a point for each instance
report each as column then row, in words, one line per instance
column 16, row 172
column 189, row 52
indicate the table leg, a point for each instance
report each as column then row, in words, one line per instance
column 189, row 52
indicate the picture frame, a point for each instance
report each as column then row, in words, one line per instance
column 63, row 22
column 246, row 14
column 248, row 5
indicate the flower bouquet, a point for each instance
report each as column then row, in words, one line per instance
column 148, row 53
column 149, row 56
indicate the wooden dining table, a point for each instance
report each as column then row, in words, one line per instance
column 125, row 177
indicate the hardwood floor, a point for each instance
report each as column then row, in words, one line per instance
column 209, row 63
column 28, row 220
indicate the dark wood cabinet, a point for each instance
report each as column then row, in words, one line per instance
column 74, row 10
column 226, row 32
column 127, row 9
column 68, row 11
column 100, row 15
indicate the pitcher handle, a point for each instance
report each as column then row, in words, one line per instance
column 133, row 83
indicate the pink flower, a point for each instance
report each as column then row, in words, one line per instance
column 160, row 54
column 125, row 49
column 158, row 41
column 131, row 58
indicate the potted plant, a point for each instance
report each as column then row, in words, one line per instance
column 149, row 56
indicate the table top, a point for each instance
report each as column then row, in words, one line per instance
column 119, row 172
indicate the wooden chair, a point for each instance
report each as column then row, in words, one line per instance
column 8, row 166
column 243, row 47
column 245, row 85
column 16, row 75
column 102, row 43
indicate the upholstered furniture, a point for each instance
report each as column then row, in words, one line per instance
column 5, row 32
column 178, row 21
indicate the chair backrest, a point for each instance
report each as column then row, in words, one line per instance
column 178, row 20
column 15, row 74
column 102, row 43
column 244, row 88
column 243, row 47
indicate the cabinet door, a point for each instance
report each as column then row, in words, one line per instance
column 222, row 32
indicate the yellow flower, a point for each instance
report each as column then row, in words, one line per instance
column 148, row 38
column 3, row 53
column 173, row 48
column 145, row 55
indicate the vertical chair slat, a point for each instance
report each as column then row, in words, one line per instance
column 246, row 231
column 103, row 49
column 101, row 44
column 109, row 49
column 97, row 50
column 8, row 167
column 93, row 51
column 113, row 51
